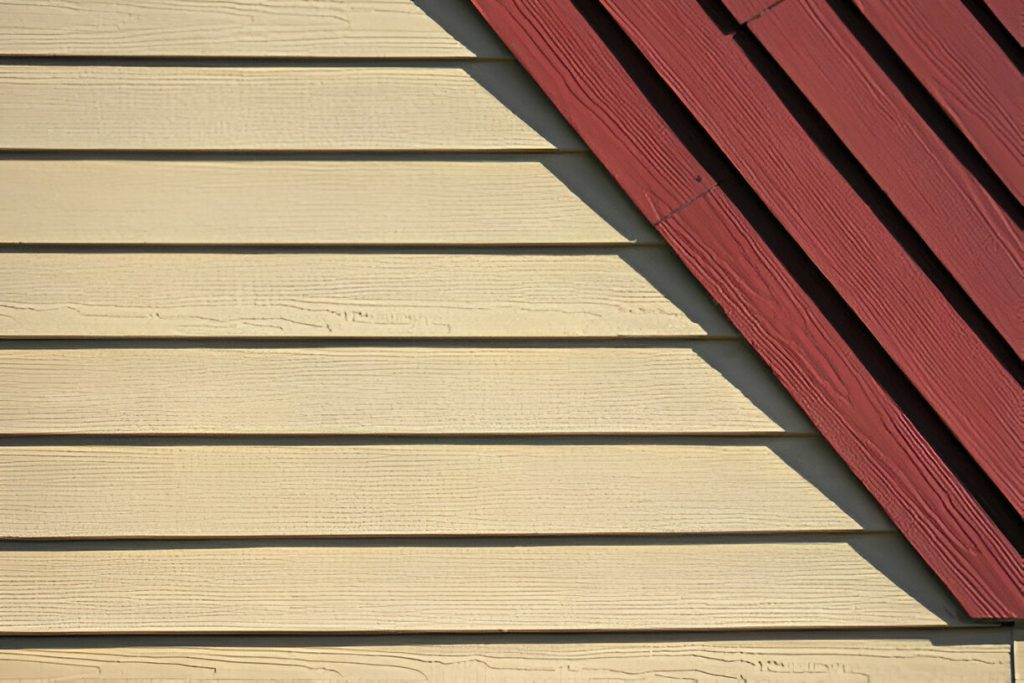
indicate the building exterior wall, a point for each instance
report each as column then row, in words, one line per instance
column 318, row 319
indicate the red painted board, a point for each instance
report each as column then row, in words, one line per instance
column 924, row 499
column 966, row 385
column 883, row 449
column 964, row 227
column 966, row 72
column 649, row 169
column 745, row 10
column 1010, row 14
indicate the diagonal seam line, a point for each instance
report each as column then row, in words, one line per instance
column 685, row 205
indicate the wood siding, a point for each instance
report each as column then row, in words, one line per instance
column 317, row 317
column 977, row 655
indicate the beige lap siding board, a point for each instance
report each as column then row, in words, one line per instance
column 452, row 200
column 484, row 106
column 430, row 29
column 365, row 341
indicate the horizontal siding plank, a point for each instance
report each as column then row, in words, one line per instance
column 391, row 390
column 978, row 655
column 486, row 106
column 351, row 295
column 411, row 202
column 461, row 587
column 263, row 28
column 136, row 491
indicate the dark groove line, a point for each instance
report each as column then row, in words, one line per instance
column 999, row 33
column 43, row 438
column 257, row 156
column 511, row 250
column 283, row 441
column 487, row 539
column 417, row 343
column 212, row 153
column 854, row 333
column 261, row 61
column 448, row 541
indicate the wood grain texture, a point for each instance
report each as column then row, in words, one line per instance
column 977, row 655
column 744, row 11
column 1010, row 15
column 633, row 293
column 253, row 28
column 552, row 40
column 905, row 312
column 923, row 497
column 390, row 390
column 972, row 236
column 135, row 491
column 927, row 502
column 516, row 200
column 460, row 587
column 486, row 106
column 966, row 72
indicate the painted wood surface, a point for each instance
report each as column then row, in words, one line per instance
column 907, row 314
column 977, row 655
column 454, row 586
column 966, row 72
column 581, row 76
column 636, row 292
column 390, row 390
column 368, row 201
column 922, row 496
column 252, row 28
column 926, row 501
column 506, row 488
column 485, row 106
column 972, row 236
column 744, row 11
column 1010, row 15
column 1018, row 652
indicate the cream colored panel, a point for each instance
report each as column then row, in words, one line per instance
column 1018, row 652
column 412, row 489
column 486, row 106
column 390, row 390
column 549, row 199
column 246, row 28
column 508, row 294
column 976, row 655
column 458, row 587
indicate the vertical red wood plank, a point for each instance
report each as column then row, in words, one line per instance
column 1010, row 14
column 966, row 72
column 925, row 500
column 912, row 320
column 968, row 231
